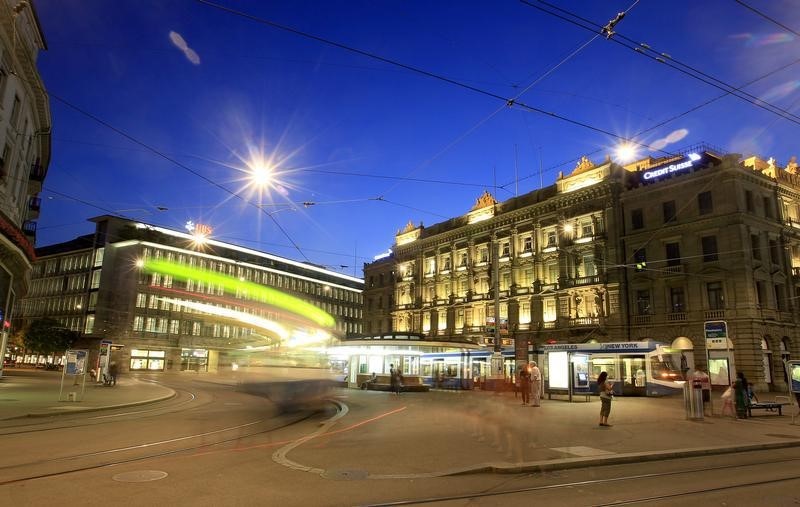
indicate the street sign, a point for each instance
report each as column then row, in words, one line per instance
column 716, row 329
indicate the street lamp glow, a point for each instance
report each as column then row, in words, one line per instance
column 626, row 152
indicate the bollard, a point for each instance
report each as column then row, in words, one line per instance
column 72, row 396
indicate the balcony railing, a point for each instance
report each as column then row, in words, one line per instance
column 583, row 321
column 642, row 319
column 714, row 314
column 29, row 228
column 549, row 325
column 676, row 317
column 677, row 269
column 581, row 280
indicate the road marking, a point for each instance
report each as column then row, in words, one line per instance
column 582, row 451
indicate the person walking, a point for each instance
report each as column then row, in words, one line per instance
column 740, row 395
column 113, row 371
column 705, row 384
column 395, row 379
column 536, row 385
column 606, row 392
column 525, row 384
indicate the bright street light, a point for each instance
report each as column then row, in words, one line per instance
column 626, row 152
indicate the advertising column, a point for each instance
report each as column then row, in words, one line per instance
column 103, row 360
column 721, row 366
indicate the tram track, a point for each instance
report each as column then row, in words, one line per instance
column 75, row 420
column 283, row 422
column 599, row 482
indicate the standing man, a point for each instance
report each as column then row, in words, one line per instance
column 536, row 384
column 525, row 384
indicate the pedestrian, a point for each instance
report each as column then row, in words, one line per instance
column 113, row 370
column 740, row 395
column 606, row 392
column 727, row 402
column 536, row 385
column 396, row 379
column 525, row 384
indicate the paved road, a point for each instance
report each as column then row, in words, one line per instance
column 204, row 443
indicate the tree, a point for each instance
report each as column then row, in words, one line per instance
column 46, row 336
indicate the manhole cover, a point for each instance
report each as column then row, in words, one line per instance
column 140, row 476
column 345, row 475
column 779, row 435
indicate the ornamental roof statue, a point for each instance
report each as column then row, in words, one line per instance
column 484, row 201
column 583, row 165
column 408, row 228
column 791, row 167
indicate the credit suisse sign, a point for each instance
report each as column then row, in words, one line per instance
column 658, row 173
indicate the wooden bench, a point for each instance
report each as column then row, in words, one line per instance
column 768, row 406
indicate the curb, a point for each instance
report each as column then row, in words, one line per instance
column 619, row 459
column 81, row 410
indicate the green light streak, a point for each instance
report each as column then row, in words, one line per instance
column 249, row 290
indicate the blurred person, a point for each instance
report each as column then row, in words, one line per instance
column 113, row 371
column 525, row 384
column 374, row 378
column 396, row 379
column 740, row 395
column 727, row 402
column 605, row 389
column 536, row 384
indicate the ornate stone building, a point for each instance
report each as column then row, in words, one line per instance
column 24, row 150
column 662, row 249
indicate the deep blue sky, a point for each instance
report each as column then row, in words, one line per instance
column 326, row 113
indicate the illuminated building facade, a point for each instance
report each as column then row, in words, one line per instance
column 681, row 250
column 24, row 150
column 158, row 321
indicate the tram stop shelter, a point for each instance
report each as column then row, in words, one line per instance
column 367, row 355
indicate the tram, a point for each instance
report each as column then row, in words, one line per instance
column 283, row 353
column 463, row 370
column 644, row 368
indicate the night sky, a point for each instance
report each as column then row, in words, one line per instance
column 191, row 97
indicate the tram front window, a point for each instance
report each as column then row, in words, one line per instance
column 664, row 369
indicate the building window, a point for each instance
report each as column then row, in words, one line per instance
column 637, row 219
column 780, row 302
column 463, row 262
column 527, row 244
column 704, row 202
column 95, row 279
column 716, row 300
column 484, row 254
column 767, row 207
column 669, row 211
column 710, row 252
column 505, row 249
column 774, row 252
column 15, row 111
column 586, row 230
column 643, row 302
column 760, row 296
column 673, row 254
column 755, row 245
column 748, row 201
column 551, row 238
column 640, row 259
column 89, row 328
column 588, row 265
column 677, row 299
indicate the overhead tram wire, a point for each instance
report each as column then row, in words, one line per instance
column 177, row 163
column 672, row 118
column 508, row 101
column 663, row 58
column 753, row 9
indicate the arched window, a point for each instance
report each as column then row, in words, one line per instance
column 766, row 356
